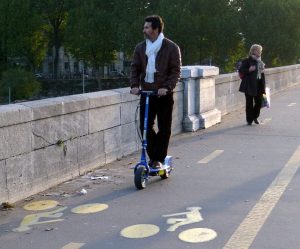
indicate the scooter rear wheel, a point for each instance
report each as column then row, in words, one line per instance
column 140, row 179
column 165, row 175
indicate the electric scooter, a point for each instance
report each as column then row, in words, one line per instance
column 142, row 170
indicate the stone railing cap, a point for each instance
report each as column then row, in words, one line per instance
column 14, row 114
column 198, row 71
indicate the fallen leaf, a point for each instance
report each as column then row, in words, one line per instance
column 6, row 205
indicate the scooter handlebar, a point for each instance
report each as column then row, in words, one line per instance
column 142, row 92
column 149, row 93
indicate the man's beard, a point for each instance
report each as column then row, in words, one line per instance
column 146, row 36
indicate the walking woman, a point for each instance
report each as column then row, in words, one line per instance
column 253, row 83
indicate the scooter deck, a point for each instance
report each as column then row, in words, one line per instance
column 157, row 172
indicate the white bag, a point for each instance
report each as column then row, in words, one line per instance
column 266, row 101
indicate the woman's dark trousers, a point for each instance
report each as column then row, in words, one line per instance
column 253, row 111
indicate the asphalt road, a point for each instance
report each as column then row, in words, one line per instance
column 233, row 187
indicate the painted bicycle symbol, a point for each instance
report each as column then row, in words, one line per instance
column 52, row 216
column 194, row 235
column 139, row 231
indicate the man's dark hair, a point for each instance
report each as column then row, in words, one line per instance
column 156, row 22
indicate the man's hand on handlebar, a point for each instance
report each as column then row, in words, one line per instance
column 162, row 91
column 135, row 91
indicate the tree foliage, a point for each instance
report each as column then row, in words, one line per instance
column 276, row 25
column 90, row 34
column 22, row 84
column 216, row 32
column 22, row 38
column 54, row 15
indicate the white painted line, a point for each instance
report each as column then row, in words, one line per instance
column 267, row 120
column 291, row 104
column 73, row 246
column 211, row 156
column 251, row 225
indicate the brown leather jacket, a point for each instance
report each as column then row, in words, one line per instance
column 168, row 63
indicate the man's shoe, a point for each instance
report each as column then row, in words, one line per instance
column 249, row 123
column 256, row 121
column 156, row 165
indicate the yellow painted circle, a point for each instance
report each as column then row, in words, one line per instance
column 140, row 231
column 41, row 205
column 197, row 235
column 89, row 208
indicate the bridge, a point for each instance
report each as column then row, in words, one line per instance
column 234, row 186
column 46, row 142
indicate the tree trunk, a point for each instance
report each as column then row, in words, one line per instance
column 57, row 45
column 98, row 77
column 56, row 59
column 69, row 66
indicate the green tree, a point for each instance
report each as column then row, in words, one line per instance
column 90, row 36
column 207, row 31
column 54, row 14
column 129, row 20
column 29, row 40
column 235, row 55
column 22, row 39
column 275, row 25
column 180, row 27
column 22, row 84
column 5, row 27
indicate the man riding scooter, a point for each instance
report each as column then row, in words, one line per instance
column 156, row 67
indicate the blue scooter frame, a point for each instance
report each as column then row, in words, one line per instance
column 142, row 171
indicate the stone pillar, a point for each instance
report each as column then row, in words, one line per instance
column 199, row 97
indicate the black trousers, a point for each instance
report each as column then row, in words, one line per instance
column 162, row 108
column 253, row 111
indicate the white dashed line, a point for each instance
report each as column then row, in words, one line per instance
column 211, row 156
column 73, row 246
column 267, row 120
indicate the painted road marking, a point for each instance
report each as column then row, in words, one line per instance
column 291, row 104
column 33, row 219
column 140, row 231
column 249, row 228
column 267, row 120
column 73, row 246
column 197, row 235
column 211, row 156
column 89, row 208
column 193, row 216
column 41, row 205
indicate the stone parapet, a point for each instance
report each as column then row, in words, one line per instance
column 199, row 97
column 48, row 141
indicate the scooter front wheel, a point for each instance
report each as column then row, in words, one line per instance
column 140, row 178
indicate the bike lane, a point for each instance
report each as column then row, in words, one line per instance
column 220, row 175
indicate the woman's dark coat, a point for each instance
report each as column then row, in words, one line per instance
column 250, row 85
